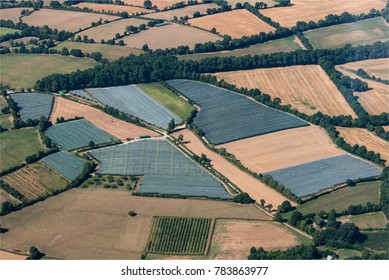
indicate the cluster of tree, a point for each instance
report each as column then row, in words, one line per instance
column 255, row 11
column 301, row 252
column 282, row 3
column 8, row 189
column 379, row 131
column 354, row 84
column 362, row 73
column 269, row 181
column 35, row 254
column 304, row 41
column 36, row 5
column 385, row 12
column 338, row 235
column 243, row 198
column 120, row 115
column 384, row 192
column 39, row 155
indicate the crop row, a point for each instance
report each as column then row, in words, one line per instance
column 81, row 93
column 33, row 105
column 65, row 164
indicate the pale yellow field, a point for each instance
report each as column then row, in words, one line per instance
column 374, row 67
column 237, row 23
column 159, row 3
column 306, row 10
column 112, row 8
column 364, row 137
column 12, row 14
column 386, row 128
column 187, row 11
column 282, row 149
column 307, row 88
column 4, row 255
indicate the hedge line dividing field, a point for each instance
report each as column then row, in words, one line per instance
column 171, row 235
column 65, row 164
column 33, row 105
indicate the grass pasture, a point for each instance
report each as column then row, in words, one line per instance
column 5, row 31
column 29, row 68
column 364, row 32
column 5, row 119
column 370, row 220
column 377, row 241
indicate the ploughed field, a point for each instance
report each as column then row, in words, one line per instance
column 33, row 105
column 67, row 165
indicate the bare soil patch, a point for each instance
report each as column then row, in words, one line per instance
column 4, row 255
column 374, row 67
column 112, row 8
column 187, row 11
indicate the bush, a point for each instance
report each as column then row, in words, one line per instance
column 243, row 198
column 132, row 213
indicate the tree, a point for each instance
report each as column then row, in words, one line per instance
column 269, row 206
column 243, row 198
column 213, row 30
column 171, row 126
column 55, row 5
column 65, row 51
column 196, row 14
column 121, row 43
column 350, row 183
column 132, row 213
column 180, row 138
column 91, row 144
column 147, row 4
column 295, row 218
column 145, row 48
column 277, row 217
column 262, row 202
column 35, row 254
column 285, row 206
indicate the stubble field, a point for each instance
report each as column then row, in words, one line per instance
column 12, row 14
column 112, row 8
column 187, row 11
column 374, row 67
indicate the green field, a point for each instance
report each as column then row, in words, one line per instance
column 364, row 32
column 369, row 220
column 29, row 68
column 110, row 52
column 179, row 235
column 348, row 253
column 378, row 241
column 4, row 118
column 280, row 45
column 17, row 144
column 168, row 99
column 5, row 31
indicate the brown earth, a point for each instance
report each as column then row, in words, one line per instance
column 112, row 8
column 11, row 256
column 187, row 11
column 118, row 128
column 12, row 14
column 374, row 67
column 386, row 128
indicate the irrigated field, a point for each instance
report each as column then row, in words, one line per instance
column 12, row 14
column 64, row 20
column 112, row 8
column 366, row 138
column 118, row 128
column 108, row 31
column 281, row 45
column 170, row 36
column 307, row 88
column 369, row 220
column 364, row 32
column 236, row 23
column 306, row 10
column 67, row 165
column 282, row 149
column 29, row 68
column 374, row 67
column 186, row 11
column 94, row 224
column 33, row 105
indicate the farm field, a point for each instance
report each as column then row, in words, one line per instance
column 11, row 256
column 246, row 183
column 186, row 11
column 366, row 138
column 173, row 235
column 29, row 68
column 133, row 101
column 76, row 134
column 270, row 3
column 110, row 52
column 306, row 10
column 166, row 170
column 109, row 30
column 65, row 20
column 5, row 119
column 256, row 119
column 161, row 4
column 168, row 99
column 307, row 88
column 67, row 165
column 5, row 31
column 33, row 105
column 170, row 36
column 236, row 23
column 112, row 8
column 118, row 128
column 96, row 215
column 364, row 32
column 12, row 14
column 280, row 45
column 374, row 67
column 27, row 141
column 377, row 240
column 294, row 146
column 83, row 94
column 370, row 220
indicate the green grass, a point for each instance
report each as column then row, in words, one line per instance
column 364, row 32
column 348, row 253
column 24, row 70
column 280, row 45
column 168, row 99
column 369, row 220
column 17, row 144
column 4, row 118
column 378, row 241
column 110, row 52
column 5, row 31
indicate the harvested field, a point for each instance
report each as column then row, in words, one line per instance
column 159, row 3
column 170, row 36
column 65, row 20
column 112, row 8
column 280, row 45
column 12, row 14
column 369, row 220
column 386, row 128
column 374, row 67
column 270, row 3
column 233, row 239
column 186, row 11
column 11, row 256
column 307, row 88
column 236, row 23
column 118, row 128
column 244, row 181
column 109, row 30
column 366, row 138
column 364, row 32
column 86, row 229
column 306, row 10
column 282, row 149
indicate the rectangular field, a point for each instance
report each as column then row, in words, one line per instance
column 182, row 12
column 133, row 101
column 306, row 10
column 172, row 235
column 294, row 146
column 307, row 88
column 236, row 23
column 226, row 116
column 370, row 220
column 364, row 32
column 65, row 164
column 378, row 240
column 33, row 105
column 309, row 178
column 374, row 67
column 131, row 10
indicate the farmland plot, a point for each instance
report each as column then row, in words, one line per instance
column 112, row 8
column 166, row 170
column 65, row 164
column 309, row 178
column 186, row 11
column 82, row 94
column 33, row 105
column 77, row 134
column 161, row 4
column 374, row 67
column 12, row 14
column 226, row 116
column 5, row 31
column 133, row 101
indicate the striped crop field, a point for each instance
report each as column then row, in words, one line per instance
column 77, row 134
column 65, row 164
column 226, row 116
column 81, row 93
column 133, row 101
column 33, row 105
column 309, row 178
column 179, row 235
column 166, row 170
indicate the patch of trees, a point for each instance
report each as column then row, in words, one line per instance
column 39, row 155
column 304, row 41
column 301, row 252
column 338, row 236
column 384, row 192
column 35, row 254
column 255, row 11
column 385, row 12
column 36, row 5
column 8, row 189
column 362, row 73
column 243, row 198
column 120, row 115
